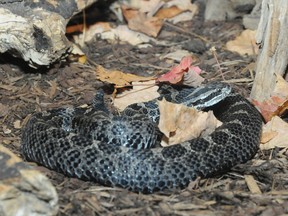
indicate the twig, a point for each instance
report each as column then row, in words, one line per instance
column 213, row 51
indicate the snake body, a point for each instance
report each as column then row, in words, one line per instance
column 117, row 150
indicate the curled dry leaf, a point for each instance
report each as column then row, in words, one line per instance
column 277, row 103
column 140, row 14
column 180, row 123
column 168, row 12
column 274, row 134
column 176, row 74
column 268, row 108
column 182, row 17
column 128, row 12
column 192, row 77
column 118, row 78
column 183, row 5
column 178, row 55
column 123, row 33
column 144, row 6
column 177, row 11
column 139, row 21
column 147, row 25
column 189, row 10
column 245, row 43
column 141, row 92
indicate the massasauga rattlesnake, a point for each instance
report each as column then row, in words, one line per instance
column 117, row 150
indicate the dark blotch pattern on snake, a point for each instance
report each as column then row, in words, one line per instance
column 92, row 144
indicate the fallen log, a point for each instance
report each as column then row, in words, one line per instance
column 35, row 30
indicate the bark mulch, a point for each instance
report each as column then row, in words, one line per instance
column 24, row 91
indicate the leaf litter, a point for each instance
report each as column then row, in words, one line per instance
column 145, row 20
column 178, row 123
column 244, row 43
column 274, row 134
column 119, row 78
column 141, row 92
column 277, row 104
column 185, row 73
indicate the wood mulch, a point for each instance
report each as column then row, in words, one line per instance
column 259, row 187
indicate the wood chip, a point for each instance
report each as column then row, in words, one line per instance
column 252, row 184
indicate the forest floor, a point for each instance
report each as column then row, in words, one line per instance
column 24, row 90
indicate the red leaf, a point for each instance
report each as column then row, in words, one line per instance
column 186, row 62
column 269, row 107
column 176, row 74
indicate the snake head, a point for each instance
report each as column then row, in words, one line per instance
column 208, row 95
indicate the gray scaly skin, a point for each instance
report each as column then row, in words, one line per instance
column 92, row 144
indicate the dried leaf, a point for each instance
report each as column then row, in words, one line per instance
column 178, row 55
column 188, row 10
column 180, row 123
column 274, row 134
column 277, row 103
column 139, row 21
column 144, row 6
column 141, row 92
column 245, row 43
column 267, row 136
column 128, row 12
column 183, row 5
column 123, row 33
column 168, row 12
column 192, row 77
column 182, row 17
column 176, row 74
column 118, row 78
column 268, row 107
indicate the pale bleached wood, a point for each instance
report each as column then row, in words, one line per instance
column 272, row 35
column 35, row 30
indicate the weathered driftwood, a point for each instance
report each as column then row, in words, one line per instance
column 24, row 191
column 273, row 57
column 35, row 30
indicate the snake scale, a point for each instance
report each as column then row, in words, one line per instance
column 121, row 150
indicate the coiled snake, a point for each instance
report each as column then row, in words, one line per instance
column 117, row 150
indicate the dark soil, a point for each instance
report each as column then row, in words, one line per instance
column 24, row 90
